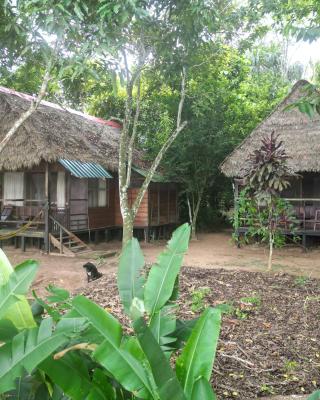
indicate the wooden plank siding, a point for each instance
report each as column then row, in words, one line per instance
column 104, row 217
column 163, row 208
column 142, row 217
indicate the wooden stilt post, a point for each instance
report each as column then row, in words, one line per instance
column 304, row 242
column 236, row 211
column 46, row 211
column 158, row 204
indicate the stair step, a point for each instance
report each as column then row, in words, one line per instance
column 83, row 246
column 70, row 242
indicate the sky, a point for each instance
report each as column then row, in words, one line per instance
column 305, row 53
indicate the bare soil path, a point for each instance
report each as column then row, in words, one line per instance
column 214, row 250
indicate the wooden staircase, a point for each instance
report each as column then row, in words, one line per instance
column 66, row 242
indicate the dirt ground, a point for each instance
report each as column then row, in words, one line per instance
column 214, row 250
column 269, row 341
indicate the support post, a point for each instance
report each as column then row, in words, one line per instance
column 236, row 211
column 23, row 243
column 46, row 211
column 304, row 242
column 158, row 204
column 96, row 236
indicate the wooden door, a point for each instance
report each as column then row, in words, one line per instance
column 78, row 204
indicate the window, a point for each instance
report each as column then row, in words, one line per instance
column 35, row 186
column 98, row 193
column 13, row 188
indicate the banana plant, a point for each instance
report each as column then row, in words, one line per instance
column 78, row 350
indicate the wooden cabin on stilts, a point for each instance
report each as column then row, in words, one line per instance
column 59, row 181
column 301, row 140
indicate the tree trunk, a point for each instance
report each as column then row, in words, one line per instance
column 195, row 217
column 271, row 240
column 126, row 148
column 127, row 230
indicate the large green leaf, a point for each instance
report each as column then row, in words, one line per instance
column 163, row 274
column 202, row 390
column 129, row 372
column 167, row 383
column 28, row 349
column 5, row 268
column 17, row 284
column 108, row 326
column 315, row 395
column 162, row 325
column 20, row 313
column 130, row 279
column 183, row 331
column 7, row 330
column 71, row 374
column 197, row 357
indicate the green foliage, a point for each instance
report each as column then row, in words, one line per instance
column 81, row 350
column 162, row 277
column 203, row 340
column 315, row 395
column 260, row 208
column 301, row 280
column 13, row 285
column 257, row 219
column 198, row 296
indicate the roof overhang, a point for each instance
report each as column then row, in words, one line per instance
column 156, row 178
column 81, row 169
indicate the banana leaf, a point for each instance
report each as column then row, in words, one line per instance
column 162, row 276
column 17, row 284
column 163, row 325
column 198, row 355
column 167, row 383
column 71, row 374
column 130, row 279
column 27, row 350
column 129, row 372
column 202, row 390
column 314, row 396
column 20, row 313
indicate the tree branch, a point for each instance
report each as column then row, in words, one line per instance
column 164, row 148
column 134, row 133
column 35, row 103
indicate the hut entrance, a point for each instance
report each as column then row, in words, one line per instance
column 78, row 204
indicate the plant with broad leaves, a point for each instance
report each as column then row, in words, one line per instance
column 260, row 208
column 78, row 350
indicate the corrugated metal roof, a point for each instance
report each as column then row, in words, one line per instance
column 85, row 169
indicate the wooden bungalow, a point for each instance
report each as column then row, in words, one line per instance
column 58, row 177
column 301, row 138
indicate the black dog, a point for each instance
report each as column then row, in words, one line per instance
column 92, row 272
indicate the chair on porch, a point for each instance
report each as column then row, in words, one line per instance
column 316, row 224
column 309, row 213
column 6, row 212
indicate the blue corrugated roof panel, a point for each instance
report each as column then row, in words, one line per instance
column 85, row 169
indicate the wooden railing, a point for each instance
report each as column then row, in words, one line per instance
column 306, row 212
column 25, row 209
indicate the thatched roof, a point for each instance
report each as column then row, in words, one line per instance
column 299, row 133
column 54, row 133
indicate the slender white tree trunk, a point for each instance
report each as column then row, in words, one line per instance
column 127, row 147
column 35, row 104
column 271, row 243
column 195, row 212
